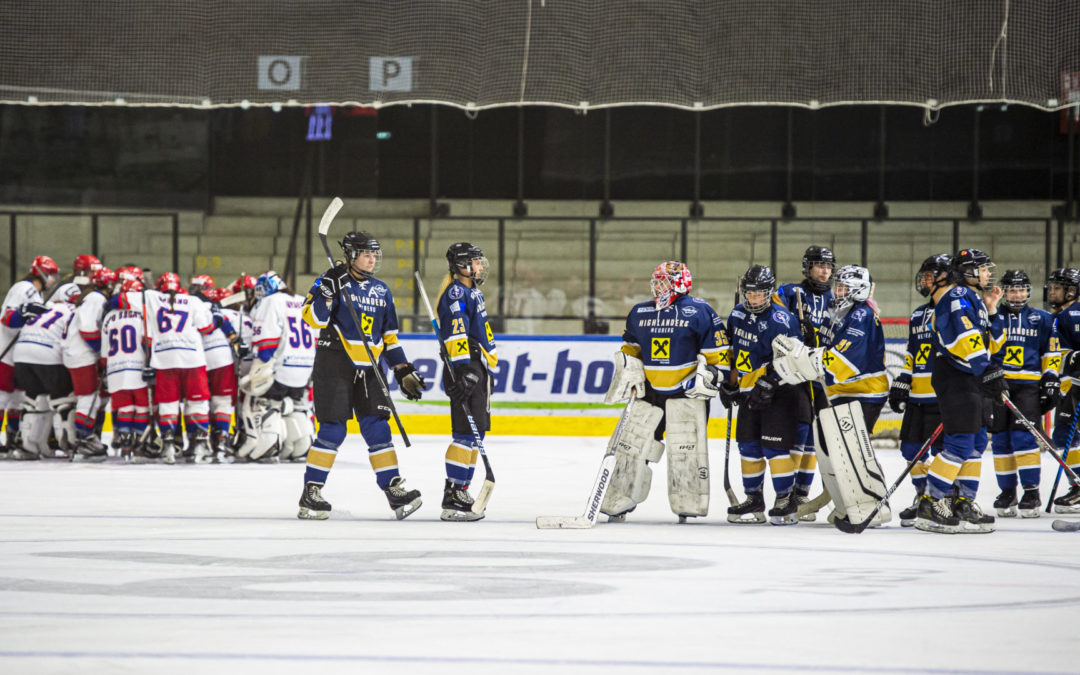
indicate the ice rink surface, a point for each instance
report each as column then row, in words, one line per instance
column 134, row 569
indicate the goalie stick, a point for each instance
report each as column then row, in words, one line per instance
column 845, row 525
column 1040, row 438
column 600, row 485
column 324, row 227
column 482, row 499
column 822, row 500
column 1065, row 525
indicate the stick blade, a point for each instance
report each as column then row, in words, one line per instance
column 482, row 499
column 1065, row 526
column 563, row 523
column 329, row 215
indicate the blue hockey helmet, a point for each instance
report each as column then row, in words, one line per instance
column 268, row 283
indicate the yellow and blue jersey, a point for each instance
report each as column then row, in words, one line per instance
column 919, row 355
column 463, row 321
column 1067, row 324
column 1031, row 344
column 374, row 305
column 854, row 360
column 668, row 341
column 816, row 305
column 752, row 337
column 964, row 336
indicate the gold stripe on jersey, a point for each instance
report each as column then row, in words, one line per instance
column 321, row 459
column 1029, row 457
column 967, row 345
column 753, row 467
column 492, row 358
column 782, row 466
column 1004, row 464
column 868, row 385
column 309, row 316
column 840, row 367
column 458, row 348
column 718, row 356
column 356, row 350
column 384, row 459
column 459, row 455
column 921, row 385
column 748, row 380
column 1051, row 362
column 668, row 378
column 971, row 468
column 998, row 341
column 907, row 364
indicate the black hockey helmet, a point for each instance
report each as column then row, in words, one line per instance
column 966, row 265
column 757, row 278
column 1015, row 279
column 460, row 257
column 937, row 265
column 1066, row 277
column 817, row 255
column 359, row 242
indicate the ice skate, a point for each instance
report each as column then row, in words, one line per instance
column 1030, row 502
column 90, row 449
column 784, row 511
column 750, row 511
column 1068, row 502
column 908, row 515
column 168, row 447
column 199, row 451
column 801, row 498
column 457, row 504
column 1005, row 503
column 972, row 518
column 403, row 502
column 312, row 504
column 936, row 515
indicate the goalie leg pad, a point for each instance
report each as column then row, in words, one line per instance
column 634, row 448
column 265, row 428
column 63, row 421
column 849, row 467
column 687, row 457
column 36, row 424
column 299, row 433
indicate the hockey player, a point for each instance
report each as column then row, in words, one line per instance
column 466, row 333
column 82, row 352
column 809, row 301
column 963, row 377
column 674, row 356
column 220, row 364
column 1062, row 291
column 71, row 286
column 345, row 384
column 40, row 373
column 276, row 415
column 768, row 424
column 1030, row 359
column 125, row 361
column 23, row 300
column 912, row 392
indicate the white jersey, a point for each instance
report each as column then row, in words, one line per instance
column 66, row 292
column 85, row 326
column 219, row 353
column 176, row 327
column 243, row 326
column 121, row 344
column 279, row 325
column 41, row 339
column 22, row 291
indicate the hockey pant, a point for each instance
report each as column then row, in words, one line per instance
column 189, row 384
column 375, row 431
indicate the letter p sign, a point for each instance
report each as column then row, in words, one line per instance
column 390, row 73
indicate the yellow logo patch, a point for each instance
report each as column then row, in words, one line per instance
column 1014, row 356
column 661, row 348
column 922, row 355
column 742, row 362
column 366, row 322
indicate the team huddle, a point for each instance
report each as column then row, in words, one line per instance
column 174, row 363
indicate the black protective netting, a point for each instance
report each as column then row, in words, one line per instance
column 687, row 53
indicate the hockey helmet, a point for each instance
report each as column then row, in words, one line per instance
column 130, row 284
column 46, row 269
column 852, row 284
column 1015, row 279
column 670, row 280
column 759, row 278
column 817, row 255
column 104, row 279
column 966, row 266
column 268, row 283
column 169, row 283
column 246, row 282
column 83, row 267
column 129, row 272
column 1069, row 280
column 936, row 265
column 359, row 242
column 200, row 283
column 461, row 256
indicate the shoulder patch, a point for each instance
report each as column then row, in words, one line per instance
column 859, row 314
column 957, row 292
column 737, row 314
column 455, row 291
column 781, row 318
column 643, row 310
column 688, row 311
column 697, row 300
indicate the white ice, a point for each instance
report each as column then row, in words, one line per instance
column 113, row 568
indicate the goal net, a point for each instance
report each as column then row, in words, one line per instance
column 896, row 335
column 693, row 54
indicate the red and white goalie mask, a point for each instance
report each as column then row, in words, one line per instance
column 670, row 280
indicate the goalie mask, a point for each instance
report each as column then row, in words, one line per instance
column 756, row 288
column 670, row 280
column 821, row 257
column 1062, row 287
column 852, row 284
column 468, row 261
column 971, row 267
column 927, row 278
column 268, row 284
column 356, row 243
column 1017, row 287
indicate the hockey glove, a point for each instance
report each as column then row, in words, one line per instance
column 993, row 381
column 331, row 283
column 764, row 390
column 730, row 395
column 1070, row 363
column 1049, row 392
column 149, row 375
column 899, row 392
column 410, row 381
column 465, row 380
column 705, row 382
column 29, row 310
column 628, row 381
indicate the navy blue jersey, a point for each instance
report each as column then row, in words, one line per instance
column 463, row 324
column 855, row 359
column 374, row 305
column 668, row 341
column 1031, row 344
column 816, row 305
column 751, row 340
column 1067, row 322
column 919, row 355
column 963, row 331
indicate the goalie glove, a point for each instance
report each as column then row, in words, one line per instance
column 628, row 381
column 899, row 392
column 706, row 381
column 258, row 381
column 410, row 381
column 794, row 363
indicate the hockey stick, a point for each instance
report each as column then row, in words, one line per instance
column 822, row 500
column 324, row 227
column 1065, row 526
column 1068, row 446
column 845, row 525
column 482, row 499
column 150, row 423
column 732, row 499
column 600, row 485
column 1041, row 438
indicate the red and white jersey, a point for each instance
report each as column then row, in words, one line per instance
column 22, row 291
column 122, row 347
column 215, row 344
column 241, row 323
column 41, row 340
column 176, row 325
column 85, row 326
column 67, row 292
column 279, row 325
